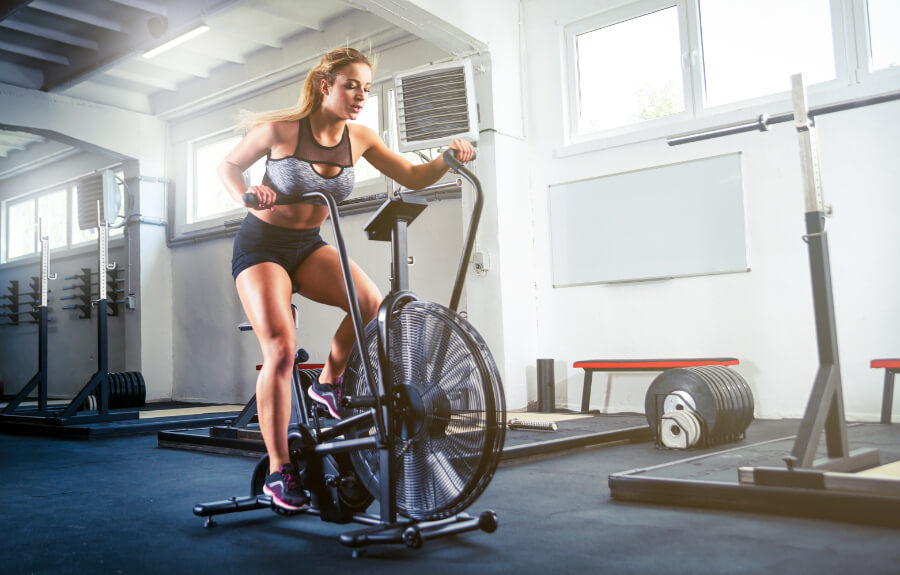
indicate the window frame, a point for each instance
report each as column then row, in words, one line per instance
column 604, row 19
column 71, row 247
column 852, row 62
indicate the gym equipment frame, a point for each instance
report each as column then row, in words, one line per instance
column 70, row 414
column 426, row 445
column 828, row 487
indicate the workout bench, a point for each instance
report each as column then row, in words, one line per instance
column 891, row 368
column 591, row 365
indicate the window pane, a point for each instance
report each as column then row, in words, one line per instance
column 209, row 196
column 629, row 72
column 52, row 214
column 369, row 117
column 751, row 48
column 884, row 16
column 22, row 220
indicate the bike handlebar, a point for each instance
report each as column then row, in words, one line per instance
column 251, row 201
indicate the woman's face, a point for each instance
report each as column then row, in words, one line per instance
column 347, row 96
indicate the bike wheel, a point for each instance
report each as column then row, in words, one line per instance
column 448, row 411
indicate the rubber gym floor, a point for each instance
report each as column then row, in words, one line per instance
column 123, row 505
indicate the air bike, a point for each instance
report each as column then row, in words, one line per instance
column 423, row 406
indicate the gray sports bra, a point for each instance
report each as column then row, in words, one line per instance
column 295, row 173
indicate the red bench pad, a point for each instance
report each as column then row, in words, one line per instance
column 612, row 364
column 890, row 363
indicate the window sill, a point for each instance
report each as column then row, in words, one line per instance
column 879, row 83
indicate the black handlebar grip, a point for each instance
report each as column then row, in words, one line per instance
column 250, row 200
column 450, row 157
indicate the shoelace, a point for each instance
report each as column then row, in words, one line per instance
column 290, row 481
column 336, row 389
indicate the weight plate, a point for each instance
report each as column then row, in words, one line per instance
column 143, row 388
column 748, row 397
column 724, row 421
column 127, row 389
column 721, row 403
column 681, row 379
column 738, row 392
column 729, row 423
column 679, row 400
column 672, row 433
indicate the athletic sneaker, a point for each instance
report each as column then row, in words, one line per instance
column 285, row 489
column 328, row 394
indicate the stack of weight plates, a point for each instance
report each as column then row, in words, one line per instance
column 715, row 401
column 126, row 389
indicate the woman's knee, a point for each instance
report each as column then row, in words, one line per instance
column 369, row 301
column 278, row 352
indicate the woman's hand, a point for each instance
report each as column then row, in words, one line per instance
column 265, row 195
column 464, row 150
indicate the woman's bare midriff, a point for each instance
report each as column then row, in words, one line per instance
column 295, row 216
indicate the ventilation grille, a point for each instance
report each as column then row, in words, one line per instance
column 90, row 191
column 101, row 187
column 435, row 106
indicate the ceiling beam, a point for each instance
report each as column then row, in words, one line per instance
column 49, row 34
column 77, row 15
column 136, row 38
column 16, row 139
column 144, row 5
column 142, row 80
column 20, row 75
column 33, row 53
column 10, row 8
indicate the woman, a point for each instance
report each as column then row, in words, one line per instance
column 278, row 250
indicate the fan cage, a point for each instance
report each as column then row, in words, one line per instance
column 441, row 468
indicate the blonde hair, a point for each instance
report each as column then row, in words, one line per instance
column 311, row 96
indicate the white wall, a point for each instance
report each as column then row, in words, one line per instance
column 763, row 317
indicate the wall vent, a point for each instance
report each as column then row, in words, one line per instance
column 100, row 187
column 435, row 105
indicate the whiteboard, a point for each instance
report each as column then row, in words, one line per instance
column 668, row 221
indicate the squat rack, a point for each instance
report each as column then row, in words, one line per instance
column 828, row 487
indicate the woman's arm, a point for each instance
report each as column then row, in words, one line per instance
column 256, row 144
column 401, row 170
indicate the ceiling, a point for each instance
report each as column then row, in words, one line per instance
column 95, row 50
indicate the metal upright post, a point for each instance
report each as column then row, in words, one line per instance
column 825, row 410
column 40, row 378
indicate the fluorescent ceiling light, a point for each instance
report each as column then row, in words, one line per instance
column 176, row 41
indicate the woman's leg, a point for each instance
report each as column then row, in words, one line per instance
column 265, row 292
column 321, row 279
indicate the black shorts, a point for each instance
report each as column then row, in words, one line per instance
column 258, row 241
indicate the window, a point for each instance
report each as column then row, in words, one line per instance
column 51, row 212
column 57, row 210
column 371, row 118
column 208, row 198
column 751, row 48
column 641, row 58
column 648, row 64
column 884, row 42
column 20, row 217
